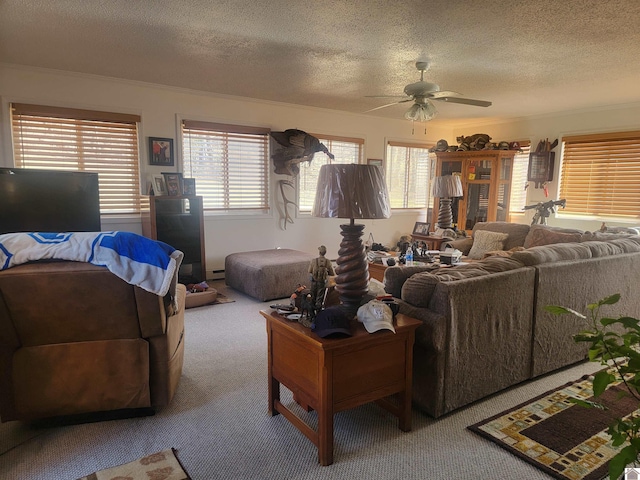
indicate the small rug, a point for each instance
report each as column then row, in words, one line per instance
column 222, row 299
column 158, row 466
column 563, row 439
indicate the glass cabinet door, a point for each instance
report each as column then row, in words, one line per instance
column 477, row 204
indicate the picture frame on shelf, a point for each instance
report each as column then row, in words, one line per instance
column 173, row 182
column 158, row 184
column 161, row 151
column 374, row 161
column 188, row 186
column 421, row 228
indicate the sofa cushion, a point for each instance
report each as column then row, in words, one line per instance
column 419, row 289
column 545, row 235
column 486, row 241
column 517, row 232
column 552, row 253
column 496, row 264
column 628, row 245
column 603, row 249
column 604, row 236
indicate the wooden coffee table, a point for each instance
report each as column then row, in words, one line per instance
column 331, row 375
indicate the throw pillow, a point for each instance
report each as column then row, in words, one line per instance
column 485, row 241
column 542, row 236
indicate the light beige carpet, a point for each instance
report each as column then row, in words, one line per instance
column 157, row 466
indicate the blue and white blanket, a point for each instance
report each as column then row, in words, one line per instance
column 137, row 260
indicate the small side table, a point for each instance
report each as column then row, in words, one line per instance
column 331, row 375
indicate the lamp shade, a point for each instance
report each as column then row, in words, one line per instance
column 447, row 186
column 351, row 191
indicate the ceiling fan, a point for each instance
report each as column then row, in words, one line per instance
column 421, row 93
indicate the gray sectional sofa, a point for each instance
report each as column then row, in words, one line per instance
column 484, row 324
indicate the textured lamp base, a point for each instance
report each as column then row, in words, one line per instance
column 445, row 217
column 352, row 280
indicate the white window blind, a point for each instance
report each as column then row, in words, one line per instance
column 600, row 175
column 345, row 150
column 518, row 197
column 230, row 164
column 407, row 174
column 56, row 138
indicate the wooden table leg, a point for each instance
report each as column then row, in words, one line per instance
column 405, row 396
column 273, row 384
column 325, row 414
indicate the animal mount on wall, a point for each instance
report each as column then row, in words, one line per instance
column 541, row 163
column 295, row 147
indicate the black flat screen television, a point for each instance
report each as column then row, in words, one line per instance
column 48, row 201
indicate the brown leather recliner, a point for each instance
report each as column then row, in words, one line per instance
column 75, row 339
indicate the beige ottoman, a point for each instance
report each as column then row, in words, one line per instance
column 267, row 274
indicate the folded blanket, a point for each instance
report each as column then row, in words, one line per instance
column 137, row 260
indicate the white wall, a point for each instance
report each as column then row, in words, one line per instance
column 160, row 108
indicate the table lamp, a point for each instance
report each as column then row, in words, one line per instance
column 445, row 188
column 351, row 191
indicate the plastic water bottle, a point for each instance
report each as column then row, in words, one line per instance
column 408, row 257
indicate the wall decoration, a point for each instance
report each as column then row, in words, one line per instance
column 159, row 187
column 374, row 161
column 161, row 151
column 173, row 182
column 188, row 186
column 421, row 228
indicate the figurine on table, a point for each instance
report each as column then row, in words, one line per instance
column 320, row 269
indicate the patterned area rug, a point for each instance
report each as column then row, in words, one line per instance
column 158, row 466
column 563, row 439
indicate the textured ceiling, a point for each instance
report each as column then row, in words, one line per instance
column 528, row 57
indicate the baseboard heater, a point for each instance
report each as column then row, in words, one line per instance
column 218, row 275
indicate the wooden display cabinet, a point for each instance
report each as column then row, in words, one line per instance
column 178, row 221
column 486, row 184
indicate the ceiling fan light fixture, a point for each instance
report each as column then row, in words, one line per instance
column 421, row 112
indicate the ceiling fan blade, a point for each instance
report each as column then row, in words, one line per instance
column 385, row 96
column 444, row 93
column 466, row 101
column 389, row 105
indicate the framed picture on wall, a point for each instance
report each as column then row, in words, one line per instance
column 161, row 151
column 374, row 161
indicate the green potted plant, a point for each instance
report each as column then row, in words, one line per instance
column 614, row 342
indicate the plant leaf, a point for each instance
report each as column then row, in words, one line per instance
column 601, row 381
column 610, row 300
column 558, row 310
column 587, row 403
column 622, row 459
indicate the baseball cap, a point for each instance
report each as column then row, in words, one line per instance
column 376, row 315
column 330, row 321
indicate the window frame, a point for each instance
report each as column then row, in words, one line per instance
column 616, row 154
column 233, row 129
column 525, row 145
column 80, row 126
column 430, row 173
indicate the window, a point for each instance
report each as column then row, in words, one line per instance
column 230, row 164
column 408, row 168
column 518, row 198
column 346, row 150
column 82, row 140
column 600, row 175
